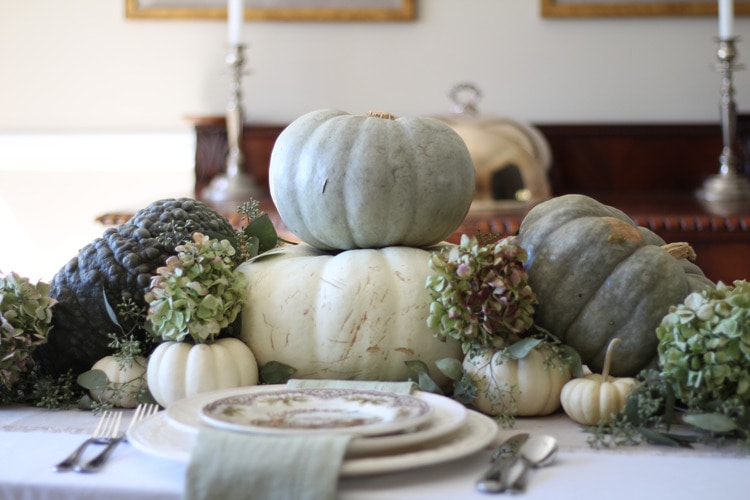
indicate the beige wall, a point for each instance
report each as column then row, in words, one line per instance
column 92, row 105
column 79, row 65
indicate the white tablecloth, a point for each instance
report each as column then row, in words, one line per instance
column 32, row 440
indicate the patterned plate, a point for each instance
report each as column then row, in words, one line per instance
column 296, row 411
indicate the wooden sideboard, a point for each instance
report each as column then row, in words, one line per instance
column 649, row 171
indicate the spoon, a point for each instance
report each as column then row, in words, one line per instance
column 537, row 451
column 490, row 480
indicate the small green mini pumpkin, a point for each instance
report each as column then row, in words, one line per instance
column 598, row 276
column 342, row 181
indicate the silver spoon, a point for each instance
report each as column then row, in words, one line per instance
column 490, row 480
column 537, row 451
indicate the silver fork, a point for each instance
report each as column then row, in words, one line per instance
column 106, row 429
column 96, row 463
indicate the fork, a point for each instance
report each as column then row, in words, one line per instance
column 106, row 429
column 96, row 463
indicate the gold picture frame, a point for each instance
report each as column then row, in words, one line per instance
column 282, row 10
column 625, row 8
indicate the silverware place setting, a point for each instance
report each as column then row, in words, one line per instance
column 107, row 432
column 511, row 461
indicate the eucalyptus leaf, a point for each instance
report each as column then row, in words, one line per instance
column 572, row 359
column 666, row 439
column 274, row 372
column 522, row 348
column 464, row 391
column 451, row 368
column 262, row 228
column 713, row 422
column 252, row 246
column 424, row 380
column 85, row 402
column 110, row 312
column 93, row 379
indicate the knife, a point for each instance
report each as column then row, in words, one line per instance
column 491, row 481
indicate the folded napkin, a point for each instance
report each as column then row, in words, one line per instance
column 235, row 466
column 362, row 385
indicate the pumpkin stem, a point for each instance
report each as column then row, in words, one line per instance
column 380, row 114
column 680, row 250
column 608, row 358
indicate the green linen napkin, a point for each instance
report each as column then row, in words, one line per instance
column 363, row 385
column 234, row 466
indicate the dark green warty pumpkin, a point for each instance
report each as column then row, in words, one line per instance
column 598, row 276
column 120, row 264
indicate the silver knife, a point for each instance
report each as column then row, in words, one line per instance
column 491, row 481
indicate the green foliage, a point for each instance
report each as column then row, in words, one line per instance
column 197, row 293
column 257, row 234
column 480, row 292
column 25, row 322
column 652, row 412
column 274, row 372
column 464, row 391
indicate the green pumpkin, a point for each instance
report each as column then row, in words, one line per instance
column 598, row 276
column 342, row 181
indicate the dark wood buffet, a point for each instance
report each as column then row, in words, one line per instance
column 650, row 171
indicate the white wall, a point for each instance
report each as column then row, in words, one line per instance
column 93, row 106
column 80, row 65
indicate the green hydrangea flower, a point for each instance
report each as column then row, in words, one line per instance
column 481, row 296
column 25, row 321
column 197, row 293
column 704, row 345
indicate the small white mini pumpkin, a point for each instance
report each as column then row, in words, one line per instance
column 126, row 379
column 596, row 398
column 180, row 369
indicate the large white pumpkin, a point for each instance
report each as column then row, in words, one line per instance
column 358, row 314
column 342, row 181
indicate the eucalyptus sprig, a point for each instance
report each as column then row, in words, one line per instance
column 257, row 234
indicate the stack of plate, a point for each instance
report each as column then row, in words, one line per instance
column 392, row 432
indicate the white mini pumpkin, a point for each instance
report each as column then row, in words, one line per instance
column 126, row 379
column 525, row 387
column 180, row 369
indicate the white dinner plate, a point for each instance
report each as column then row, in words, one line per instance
column 158, row 436
column 447, row 416
column 319, row 410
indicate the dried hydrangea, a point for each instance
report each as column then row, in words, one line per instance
column 704, row 345
column 197, row 293
column 481, row 296
column 25, row 321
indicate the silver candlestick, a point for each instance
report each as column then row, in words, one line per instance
column 729, row 185
column 234, row 186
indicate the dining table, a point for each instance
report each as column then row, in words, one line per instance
column 33, row 439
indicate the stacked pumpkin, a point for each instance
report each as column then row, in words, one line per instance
column 369, row 197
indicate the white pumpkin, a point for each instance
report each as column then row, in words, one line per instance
column 525, row 387
column 342, row 181
column 126, row 381
column 597, row 398
column 359, row 314
column 179, row 369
